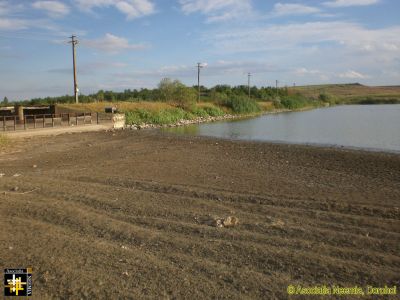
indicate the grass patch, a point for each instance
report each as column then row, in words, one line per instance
column 375, row 100
column 266, row 106
column 161, row 117
column 121, row 106
column 297, row 101
column 240, row 105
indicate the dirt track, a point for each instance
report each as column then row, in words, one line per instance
column 127, row 214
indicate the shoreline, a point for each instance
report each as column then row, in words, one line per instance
column 282, row 143
column 210, row 119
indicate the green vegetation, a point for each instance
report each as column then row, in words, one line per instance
column 241, row 105
column 165, row 116
column 170, row 115
column 172, row 101
column 213, row 111
column 354, row 93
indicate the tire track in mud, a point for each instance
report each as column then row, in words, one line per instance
column 288, row 231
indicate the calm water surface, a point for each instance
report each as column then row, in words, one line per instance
column 373, row 127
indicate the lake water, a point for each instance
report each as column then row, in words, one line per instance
column 372, row 127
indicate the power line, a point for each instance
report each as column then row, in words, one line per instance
column 248, row 83
column 74, row 42
column 199, row 66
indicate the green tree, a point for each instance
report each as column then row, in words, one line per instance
column 166, row 89
column 5, row 101
column 100, row 96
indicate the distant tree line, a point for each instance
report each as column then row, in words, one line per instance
column 169, row 90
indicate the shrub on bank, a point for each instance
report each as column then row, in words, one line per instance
column 297, row 101
column 213, row 111
column 241, row 105
column 164, row 116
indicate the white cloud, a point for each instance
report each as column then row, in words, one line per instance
column 305, row 71
column 346, row 3
column 284, row 9
column 217, row 68
column 6, row 8
column 112, row 44
column 131, row 8
column 352, row 75
column 52, row 8
column 217, row 10
column 305, row 35
column 13, row 24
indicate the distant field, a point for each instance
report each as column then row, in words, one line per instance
column 352, row 92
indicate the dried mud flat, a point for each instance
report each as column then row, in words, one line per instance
column 127, row 215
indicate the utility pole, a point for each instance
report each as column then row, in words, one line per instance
column 199, row 66
column 248, row 83
column 74, row 42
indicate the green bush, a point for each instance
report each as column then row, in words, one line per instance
column 213, row 111
column 241, row 105
column 164, row 116
column 328, row 98
column 200, row 112
column 297, row 101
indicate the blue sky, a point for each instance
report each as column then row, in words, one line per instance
column 135, row 43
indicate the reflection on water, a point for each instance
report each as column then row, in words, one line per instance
column 362, row 126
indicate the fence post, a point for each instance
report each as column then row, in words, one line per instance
column 91, row 117
column 34, row 121
column 15, row 123
column 52, row 120
column 25, row 122
column 44, row 121
column 76, row 117
column 4, row 123
column 97, row 117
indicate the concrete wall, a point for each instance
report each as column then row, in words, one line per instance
column 118, row 121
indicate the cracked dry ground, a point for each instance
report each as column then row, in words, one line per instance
column 107, row 215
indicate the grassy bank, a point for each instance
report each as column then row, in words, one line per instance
column 164, row 113
column 184, row 107
column 350, row 93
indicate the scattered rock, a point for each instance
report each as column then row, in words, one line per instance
column 2, row 174
column 277, row 223
column 230, row 221
column 125, row 273
column 34, row 166
column 16, row 175
column 124, row 247
column 15, row 189
column 218, row 222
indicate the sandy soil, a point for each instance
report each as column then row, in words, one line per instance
column 127, row 215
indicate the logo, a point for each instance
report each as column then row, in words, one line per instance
column 18, row 282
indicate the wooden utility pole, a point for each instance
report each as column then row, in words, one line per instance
column 74, row 42
column 248, row 83
column 199, row 66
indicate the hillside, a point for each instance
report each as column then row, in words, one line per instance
column 355, row 92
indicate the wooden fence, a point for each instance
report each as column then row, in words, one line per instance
column 53, row 120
